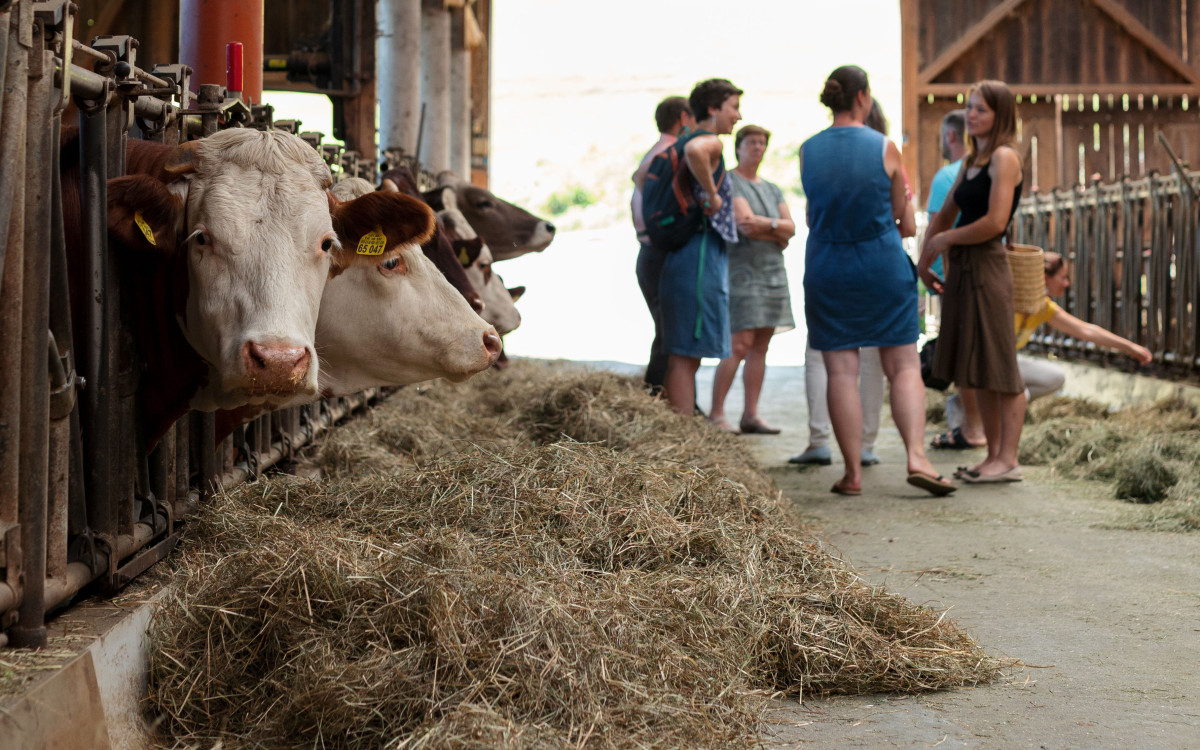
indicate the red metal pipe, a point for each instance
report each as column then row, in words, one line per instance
column 233, row 66
column 206, row 26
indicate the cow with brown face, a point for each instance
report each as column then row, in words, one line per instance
column 476, row 258
column 507, row 229
column 224, row 246
column 437, row 249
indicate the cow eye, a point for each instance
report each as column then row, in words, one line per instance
column 201, row 239
column 485, row 203
column 391, row 263
column 327, row 245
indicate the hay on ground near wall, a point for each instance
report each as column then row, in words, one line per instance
column 1149, row 454
column 493, row 582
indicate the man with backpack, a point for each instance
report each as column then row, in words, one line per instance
column 688, row 209
column 672, row 116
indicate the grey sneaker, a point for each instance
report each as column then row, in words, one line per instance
column 819, row 455
column 868, row 457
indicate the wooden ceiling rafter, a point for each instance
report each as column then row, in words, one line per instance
column 968, row 40
column 1147, row 38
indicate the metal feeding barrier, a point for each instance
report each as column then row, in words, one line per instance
column 1132, row 249
column 82, row 502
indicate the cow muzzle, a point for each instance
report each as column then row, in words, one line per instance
column 273, row 367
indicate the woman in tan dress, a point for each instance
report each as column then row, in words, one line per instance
column 976, row 344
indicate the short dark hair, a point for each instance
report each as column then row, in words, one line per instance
column 842, row 86
column 711, row 93
column 955, row 121
column 749, row 130
column 668, row 112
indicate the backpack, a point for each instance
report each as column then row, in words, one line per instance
column 669, row 206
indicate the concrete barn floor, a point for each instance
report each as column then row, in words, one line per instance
column 1104, row 622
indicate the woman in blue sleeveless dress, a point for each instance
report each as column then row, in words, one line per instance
column 860, row 288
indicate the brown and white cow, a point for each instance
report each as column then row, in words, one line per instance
column 476, row 258
column 507, row 229
column 223, row 246
column 437, row 249
column 400, row 321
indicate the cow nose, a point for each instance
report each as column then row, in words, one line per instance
column 274, row 365
column 549, row 227
column 493, row 345
column 476, row 303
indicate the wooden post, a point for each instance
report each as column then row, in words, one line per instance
column 911, row 100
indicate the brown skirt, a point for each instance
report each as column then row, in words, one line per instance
column 976, row 346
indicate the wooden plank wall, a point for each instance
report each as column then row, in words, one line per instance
column 1092, row 95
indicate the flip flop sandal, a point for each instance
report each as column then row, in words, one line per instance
column 1012, row 475
column 759, row 427
column 933, row 485
column 962, row 472
column 838, row 489
column 952, row 440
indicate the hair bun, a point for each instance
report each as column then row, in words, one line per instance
column 831, row 95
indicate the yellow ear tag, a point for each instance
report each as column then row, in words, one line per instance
column 142, row 225
column 372, row 243
column 463, row 258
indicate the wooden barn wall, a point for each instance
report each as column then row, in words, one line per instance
column 481, row 92
column 154, row 23
column 1085, row 80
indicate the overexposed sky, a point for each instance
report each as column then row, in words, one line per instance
column 574, row 86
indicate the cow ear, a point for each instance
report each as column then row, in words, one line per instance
column 378, row 224
column 468, row 251
column 435, row 199
column 516, row 292
column 143, row 213
column 184, row 158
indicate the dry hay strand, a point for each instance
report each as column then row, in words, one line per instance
column 532, row 595
column 1143, row 451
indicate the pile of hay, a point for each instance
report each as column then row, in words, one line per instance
column 1149, row 454
column 541, row 558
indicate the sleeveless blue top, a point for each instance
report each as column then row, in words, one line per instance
column 859, row 285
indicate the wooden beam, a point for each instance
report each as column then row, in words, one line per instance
column 1140, row 33
column 1051, row 89
column 968, row 40
column 910, row 146
column 103, row 25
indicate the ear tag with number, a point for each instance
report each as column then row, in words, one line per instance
column 372, row 243
column 463, row 258
column 145, row 227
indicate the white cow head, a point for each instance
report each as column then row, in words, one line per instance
column 476, row 259
column 398, row 321
column 252, row 214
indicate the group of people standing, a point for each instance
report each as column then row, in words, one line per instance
column 725, row 293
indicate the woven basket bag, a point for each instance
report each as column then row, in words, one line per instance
column 1029, row 278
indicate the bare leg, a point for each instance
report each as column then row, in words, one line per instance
column 681, row 383
column 902, row 366
column 739, row 343
column 1003, row 417
column 845, row 411
column 755, row 371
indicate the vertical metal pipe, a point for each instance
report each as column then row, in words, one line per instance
column 435, row 84
column 30, row 631
column 63, row 408
column 12, row 141
column 97, row 416
column 398, row 72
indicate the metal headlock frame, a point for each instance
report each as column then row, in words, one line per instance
column 75, row 511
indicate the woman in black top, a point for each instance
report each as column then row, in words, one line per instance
column 976, row 344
